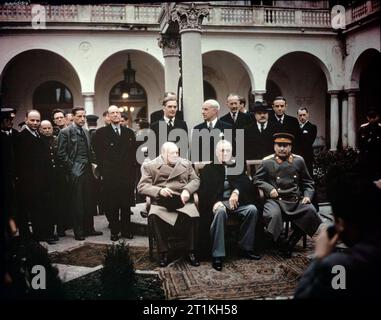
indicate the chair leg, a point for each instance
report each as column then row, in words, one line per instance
column 304, row 241
column 150, row 239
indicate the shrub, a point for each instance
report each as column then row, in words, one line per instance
column 118, row 274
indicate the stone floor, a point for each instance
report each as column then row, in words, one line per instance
column 68, row 272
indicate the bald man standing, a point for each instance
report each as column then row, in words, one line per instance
column 31, row 163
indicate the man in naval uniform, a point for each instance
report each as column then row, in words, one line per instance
column 369, row 140
column 285, row 180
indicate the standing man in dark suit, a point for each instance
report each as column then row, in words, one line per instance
column 31, row 170
column 216, row 127
column 308, row 132
column 115, row 149
column 285, row 122
column 159, row 114
column 167, row 123
column 76, row 154
column 224, row 196
column 259, row 135
column 235, row 117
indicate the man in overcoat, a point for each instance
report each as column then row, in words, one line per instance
column 163, row 179
column 115, row 150
column 285, row 180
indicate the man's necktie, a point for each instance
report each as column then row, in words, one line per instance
column 210, row 126
column 117, row 131
column 234, row 114
column 280, row 120
column 262, row 127
column 170, row 124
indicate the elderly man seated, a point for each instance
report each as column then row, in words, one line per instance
column 170, row 181
column 284, row 178
column 224, row 195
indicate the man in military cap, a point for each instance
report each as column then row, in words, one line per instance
column 285, row 180
column 92, row 124
column 369, row 139
column 259, row 135
column 7, row 117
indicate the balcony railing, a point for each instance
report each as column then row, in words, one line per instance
column 268, row 16
column 147, row 14
column 219, row 15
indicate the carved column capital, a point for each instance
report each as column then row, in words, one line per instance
column 170, row 44
column 189, row 16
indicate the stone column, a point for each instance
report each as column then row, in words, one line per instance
column 258, row 95
column 352, row 119
column 88, row 102
column 344, row 121
column 170, row 44
column 190, row 16
column 334, row 127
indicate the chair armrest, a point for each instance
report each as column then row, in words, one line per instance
column 144, row 214
column 196, row 199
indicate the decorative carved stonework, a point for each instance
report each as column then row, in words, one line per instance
column 189, row 16
column 170, row 45
column 85, row 49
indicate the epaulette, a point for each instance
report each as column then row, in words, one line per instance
column 296, row 155
column 269, row 157
column 364, row 125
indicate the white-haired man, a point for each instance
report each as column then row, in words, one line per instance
column 170, row 181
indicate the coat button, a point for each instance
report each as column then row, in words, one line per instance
column 295, row 177
column 280, row 198
column 278, row 177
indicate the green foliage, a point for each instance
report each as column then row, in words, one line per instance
column 325, row 160
column 118, row 274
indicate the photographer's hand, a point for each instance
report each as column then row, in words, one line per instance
column 324, row 245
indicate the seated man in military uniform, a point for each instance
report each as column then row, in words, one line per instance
column 170, row 181
column 285, row 180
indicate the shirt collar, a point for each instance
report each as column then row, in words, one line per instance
column 259, row 125
column 213, row 122
column 167, row 120
column 34, row 132
column 116, row 126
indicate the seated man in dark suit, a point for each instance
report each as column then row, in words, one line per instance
column 216, row 131
column 285, row 180
column 223, row 196
column 165, row 177
column 357, row 274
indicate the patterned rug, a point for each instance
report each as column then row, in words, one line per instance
column 92, row 255
column 272, row 277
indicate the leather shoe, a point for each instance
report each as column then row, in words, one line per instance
column 127, row 235
column 217, row 263
column 94, row 233
column 251, row 255
column 163, row 260
column 114, row 237
column 79, row 238
column 193, row 259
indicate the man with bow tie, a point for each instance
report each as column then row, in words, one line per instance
column 165, row 178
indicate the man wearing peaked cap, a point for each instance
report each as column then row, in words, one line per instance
column 92, row 124
column 284, row 178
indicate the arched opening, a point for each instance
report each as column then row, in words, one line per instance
column 302, row 79
column 52, row 95
column 209, row 91
column 42, row 80
column 135, row 105
column 272, row 91
column 144, row 83
column 226, row 73
column 366, row 72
